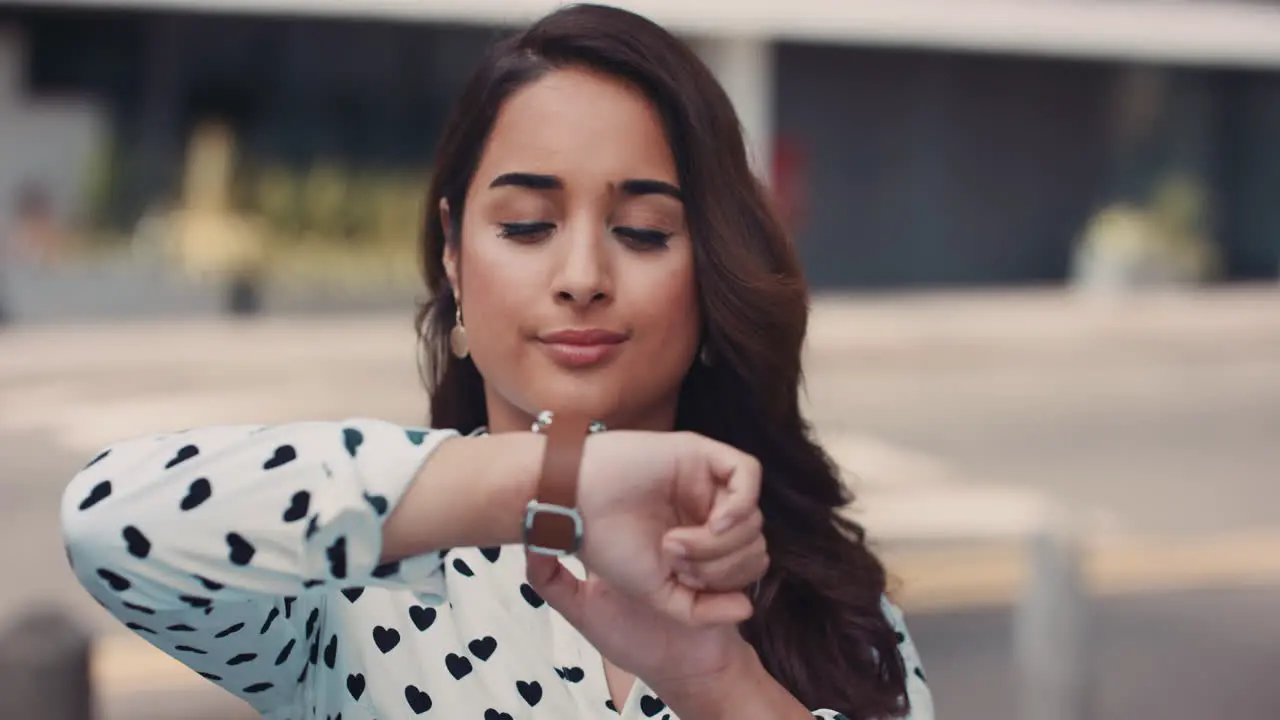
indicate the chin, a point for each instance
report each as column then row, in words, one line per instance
column 593, row 395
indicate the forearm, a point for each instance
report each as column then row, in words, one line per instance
column 471, row 492
column 743, row 691
column 249, row 512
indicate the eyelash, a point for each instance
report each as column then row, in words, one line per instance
column 529, row 232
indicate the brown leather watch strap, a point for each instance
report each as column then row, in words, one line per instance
column 558, row 485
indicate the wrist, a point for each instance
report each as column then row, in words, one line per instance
column 472, row 492
column 715, row 695
column 742, row 689
column 510, row 494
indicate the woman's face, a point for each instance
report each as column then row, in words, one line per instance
column 575, row 270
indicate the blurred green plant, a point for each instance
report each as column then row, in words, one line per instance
column 324, row 224
column 325, row 205
column 99, row 185
column 1166, row 242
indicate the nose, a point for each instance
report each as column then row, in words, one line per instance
column 584, row 275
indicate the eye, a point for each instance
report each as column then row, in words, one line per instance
column 525, row 231
column 645, row 238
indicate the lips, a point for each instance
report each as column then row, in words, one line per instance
column 591, row 336
column 581, row 348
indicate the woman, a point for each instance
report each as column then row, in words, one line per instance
column 596, row 246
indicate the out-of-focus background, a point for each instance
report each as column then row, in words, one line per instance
column 1044, row 237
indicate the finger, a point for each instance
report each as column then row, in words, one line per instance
column 698, row 543
column 713, row 608
column 553, row 581
column 734, row 572
column 739, row 494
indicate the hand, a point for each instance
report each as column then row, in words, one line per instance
column 634, row 635
column 673, row 535
column 673, row 519
column 699, row 672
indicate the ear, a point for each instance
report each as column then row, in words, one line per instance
column 451, row 247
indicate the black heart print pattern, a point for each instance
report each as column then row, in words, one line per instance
column 650, row 705
column 355, row 685
column 136, row 543
column 197, row 493
column 483, row 647
column 386, row 639
column 352, row 439
column 378, row 503
column 100, row 492
column 184, row 454
column 269, row 503
column 298, row 506
column 422, row 617
column 241, row 551
column 97, row 459
column 531, row 596
column 283, row 455
column 458, row 666
column 530, row 691
column 419, row 701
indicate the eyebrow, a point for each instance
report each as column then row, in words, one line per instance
column 651, row 187
column 536, row 181
column 531, row 181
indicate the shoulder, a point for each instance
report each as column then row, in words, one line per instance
column 917, row 682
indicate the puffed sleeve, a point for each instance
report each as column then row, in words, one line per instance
column 917, row 686
column 221, row 545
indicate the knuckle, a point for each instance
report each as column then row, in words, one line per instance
column 688, row 437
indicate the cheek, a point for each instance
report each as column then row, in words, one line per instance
column 495, row 286
column 667, row 307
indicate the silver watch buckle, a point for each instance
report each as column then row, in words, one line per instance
column 531, row 513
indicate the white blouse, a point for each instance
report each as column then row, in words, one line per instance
column 250, row 554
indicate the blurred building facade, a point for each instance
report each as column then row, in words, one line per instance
column 910, row 144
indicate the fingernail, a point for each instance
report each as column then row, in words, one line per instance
column 677, row 548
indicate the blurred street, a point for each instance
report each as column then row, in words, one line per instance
column 1155, row 418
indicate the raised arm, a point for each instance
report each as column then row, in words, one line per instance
column 216, row 543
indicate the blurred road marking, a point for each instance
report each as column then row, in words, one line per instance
column 925, row 580
column 992, row 575
column 870, row 462
column 967, row 512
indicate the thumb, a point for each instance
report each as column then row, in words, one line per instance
column 728, row 608
column 553, row 581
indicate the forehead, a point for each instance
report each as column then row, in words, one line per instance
column 582, row 126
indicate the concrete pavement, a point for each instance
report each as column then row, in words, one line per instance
column 954, row 415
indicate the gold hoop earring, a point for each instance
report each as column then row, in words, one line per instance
column 458, row 336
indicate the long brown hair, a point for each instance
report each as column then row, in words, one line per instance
column 818, row 627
